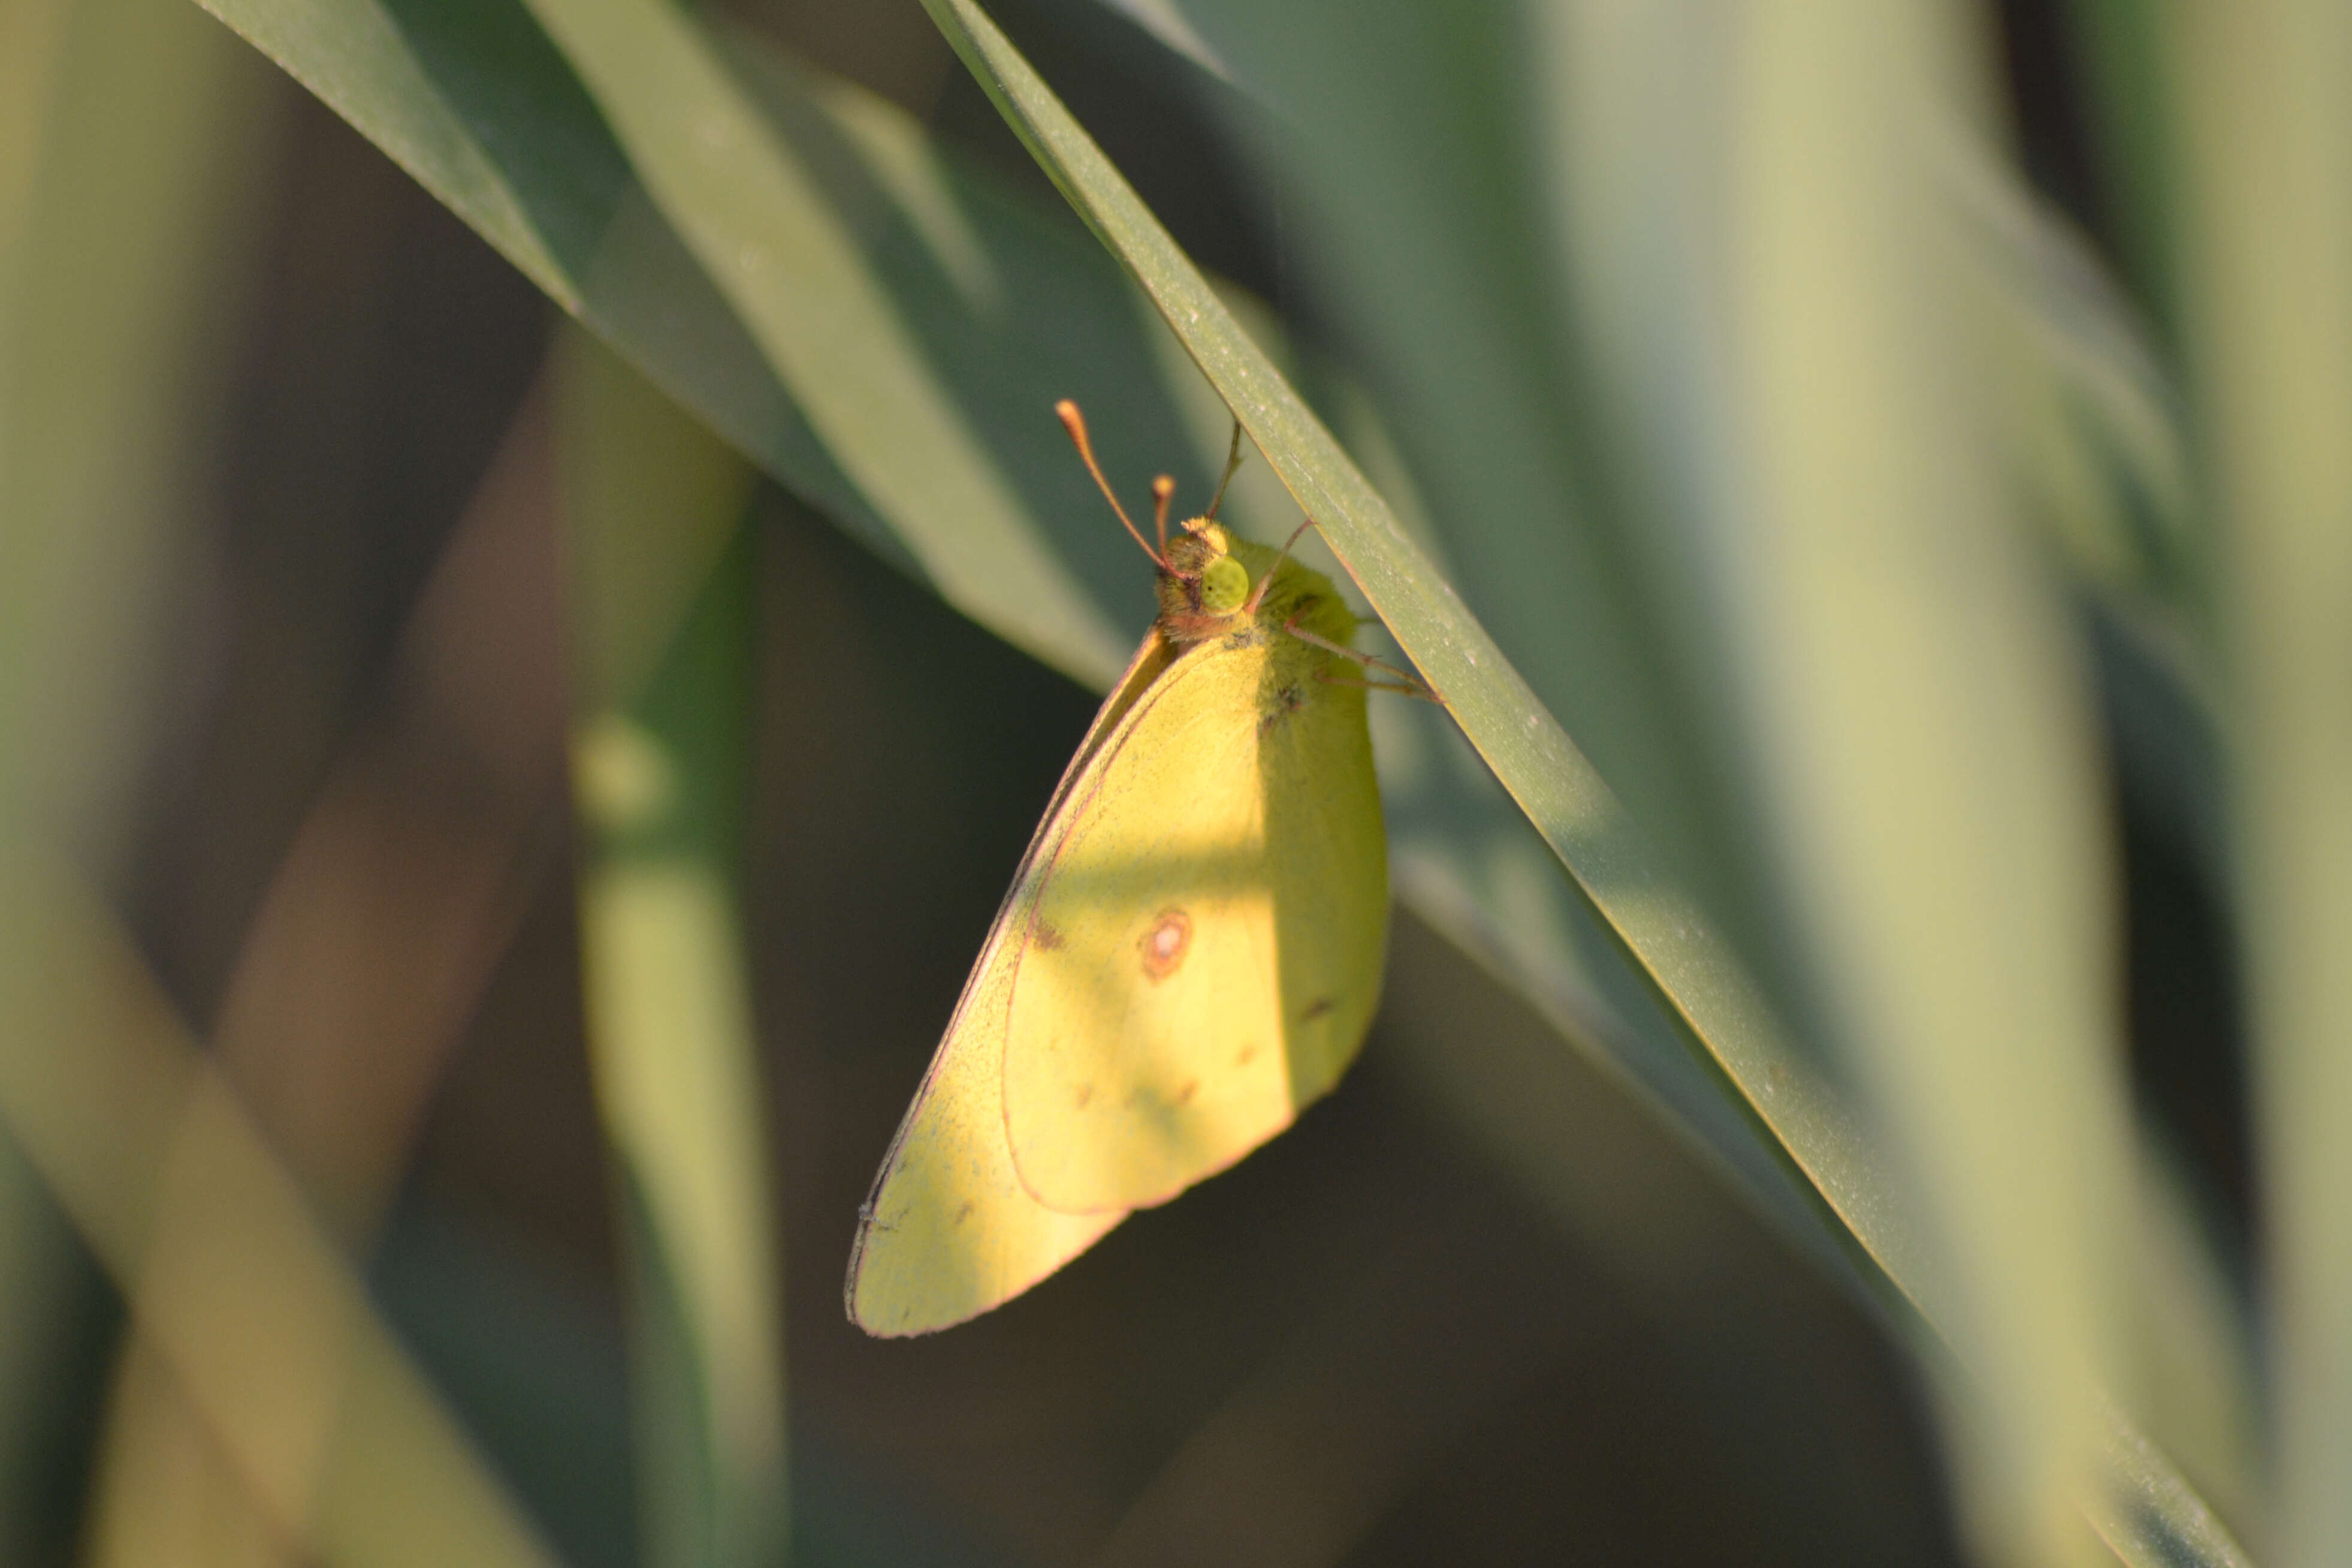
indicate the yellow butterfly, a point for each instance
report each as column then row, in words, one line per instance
column 1191, row 952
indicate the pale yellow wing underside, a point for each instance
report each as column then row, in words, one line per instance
column 949, row 1231
column 1083, row 1076
column 1202, row 953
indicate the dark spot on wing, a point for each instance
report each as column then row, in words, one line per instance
column 1316, row 1008
column 1287, row 700
column 1047, row 937
column 964, row 1213
column 1164, row 945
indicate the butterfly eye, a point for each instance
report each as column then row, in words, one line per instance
column 1224, row 585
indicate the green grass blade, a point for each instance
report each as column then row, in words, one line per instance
column 661, row 581
column 1549, row 779
column 2266, row 246
column 1925, row 742
column 473, row 101
column 2148, row 1513
column 753, row 212
column 1526, row 748
column 1165, row 21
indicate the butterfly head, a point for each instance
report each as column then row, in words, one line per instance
column 1205, row 586
column 1212, row 584
column 1201, row 562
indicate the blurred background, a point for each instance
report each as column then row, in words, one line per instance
column 540, row 599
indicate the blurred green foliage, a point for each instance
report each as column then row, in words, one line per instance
column 1892, row 616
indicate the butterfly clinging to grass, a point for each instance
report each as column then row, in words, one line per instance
column 1191, row 952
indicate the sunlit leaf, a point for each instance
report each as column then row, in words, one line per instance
column 478, row 104
column 661, row 615
column 1925, row 743
column 2266, row 243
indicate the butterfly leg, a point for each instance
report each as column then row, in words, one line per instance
column 1405, row 684
column 1233, row 461
column 1423, row 693
column 1281, row 554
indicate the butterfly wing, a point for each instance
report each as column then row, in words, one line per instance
column 949, row 1231
column 1202, row 953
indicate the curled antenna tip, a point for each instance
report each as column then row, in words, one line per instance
column 1077, row 425
column 1163, row 489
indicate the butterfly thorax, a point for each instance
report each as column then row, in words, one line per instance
column 1211, row 577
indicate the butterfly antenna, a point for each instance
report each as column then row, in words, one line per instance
column 1164, row 490
column 1077, row 425
column 1233, row 461
column 1284, row 554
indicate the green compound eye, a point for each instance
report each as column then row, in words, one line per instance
column 1224, row 586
